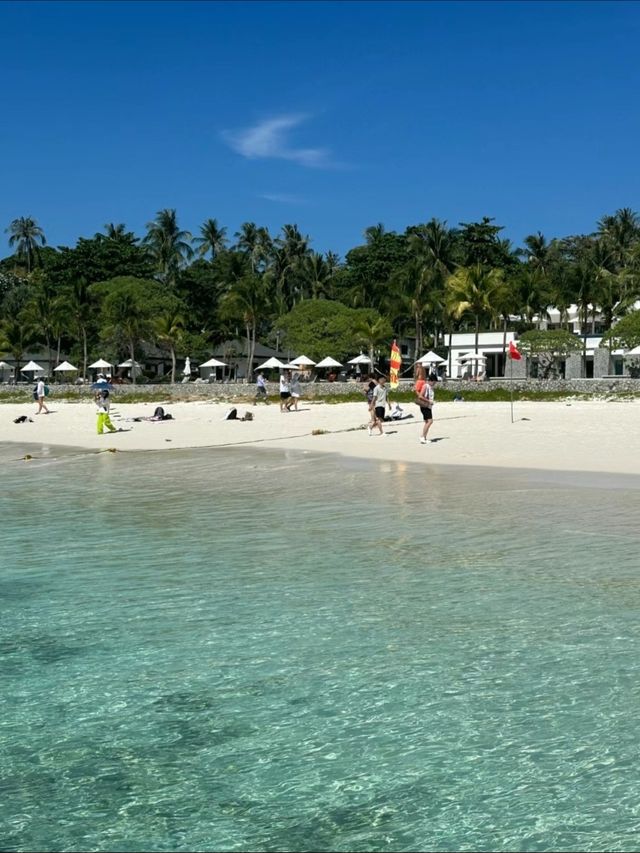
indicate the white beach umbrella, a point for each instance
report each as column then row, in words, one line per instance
column 5, row 366
column 430, row 358
column 360, row 359
column 633, row 352
column 270, row 362
column 290, row 366
column 302, row 361
column 213, row 362
column 65, row 367
column 100, row 364
column 328, row 362
column 32, row 367
column 473, row 356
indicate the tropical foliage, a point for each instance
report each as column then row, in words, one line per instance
column 121, row 295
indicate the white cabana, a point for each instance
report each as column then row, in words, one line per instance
column 100, row 364
column 360, row 359
column 634, row 353
column 328, row 362
column 133, row 366
column 302, row 361
column 65, row 367
column 431, row 358
column 5, row 366
column 32, row 367
column 213, row 362
column 270, row 363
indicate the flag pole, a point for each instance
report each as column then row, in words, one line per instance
column 511, row 385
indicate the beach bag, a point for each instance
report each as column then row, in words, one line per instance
column 35, row 392
column 248, row 416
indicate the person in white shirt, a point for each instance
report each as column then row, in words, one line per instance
column 261, row 389
column 40, row 395
column 379, row 402
column 285, row 393
column 425, row 399
column 104, row 405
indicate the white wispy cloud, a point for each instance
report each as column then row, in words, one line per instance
column 270, row 139
column 283, row 198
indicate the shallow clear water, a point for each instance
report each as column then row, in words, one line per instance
column 208, row 651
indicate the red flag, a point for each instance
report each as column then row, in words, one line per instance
column 514, row 352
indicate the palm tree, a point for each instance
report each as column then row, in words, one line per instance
column 373, row 332
column 169, row 328
column 80, row 304
column 533, row 294
column 16, row 336
column 212, row 238
column 316, row 274
column 434, row 244
column 622, row 232
column 26, row 235
column 412, row 286
column 169, row 247
column 246, row 302
column 374, row 233
column 40, row 314
column 536, row 251
column 128, row 318
column 475, row 290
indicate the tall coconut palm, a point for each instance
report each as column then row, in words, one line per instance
column 16, row 336
column 40, row 314
column 475, row 290
column 316, row 275
column 246, row 302
column 434, row 244
column 411, row 290
column 26, row 235
column 80, row 302
column 374, row 233
column 622, row 232
column 212, row 238
column 169, row 247
column 373, row 331
column 536, row 251
column 169, row 328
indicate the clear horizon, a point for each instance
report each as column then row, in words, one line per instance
column 333, row 116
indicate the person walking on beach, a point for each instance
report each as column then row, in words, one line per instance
column 425, row 399
column 261, row 390
column 40, row 394
column 369, row 395
column 296, row 393
column 380, row 403
column 104, row 405
column 285, row 393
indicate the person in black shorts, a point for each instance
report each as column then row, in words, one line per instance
column 285, row 391
column 426, row 399
column 379, row 405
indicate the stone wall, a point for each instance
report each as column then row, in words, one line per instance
column 241, row 391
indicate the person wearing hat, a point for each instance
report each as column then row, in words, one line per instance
column 104, row 405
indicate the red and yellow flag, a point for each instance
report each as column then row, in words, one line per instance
column 395, row 363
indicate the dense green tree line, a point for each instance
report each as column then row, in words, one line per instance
column 115, row 293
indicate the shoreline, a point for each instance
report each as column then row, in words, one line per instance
column 578, row 437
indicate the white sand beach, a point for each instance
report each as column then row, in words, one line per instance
column 592, row 436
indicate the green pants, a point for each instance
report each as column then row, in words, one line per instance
column 104, row 421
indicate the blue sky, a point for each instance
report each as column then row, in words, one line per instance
column 334, row 116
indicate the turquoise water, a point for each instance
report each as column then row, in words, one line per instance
column 207, row 651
